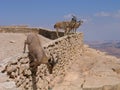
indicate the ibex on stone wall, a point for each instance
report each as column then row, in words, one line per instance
column 76, row 25
column 36, row 52
column 63, row 26
column 68, row 25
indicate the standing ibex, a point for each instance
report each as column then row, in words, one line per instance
column 65, row 25
column 68, row 26
column 74, row 25
column 77, row 25
column 36, row 52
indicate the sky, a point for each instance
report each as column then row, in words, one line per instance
column 101, row 17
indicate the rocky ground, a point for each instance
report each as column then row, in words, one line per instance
column 11, row 44
column 93, row 70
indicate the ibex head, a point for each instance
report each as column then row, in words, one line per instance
column 74, row 18
column 80, row 21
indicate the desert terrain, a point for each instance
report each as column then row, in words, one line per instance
column 111, row 47
column 11, row 44
column 93, row 70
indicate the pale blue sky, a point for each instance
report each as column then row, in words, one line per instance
column 101, row 17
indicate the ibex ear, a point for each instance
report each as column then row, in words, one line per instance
column 74, row 17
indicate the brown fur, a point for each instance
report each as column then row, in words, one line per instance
column 68, row 26
column 36, row 51
column 77, row 25
column 63, row 26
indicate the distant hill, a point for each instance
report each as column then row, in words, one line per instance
column 111, row 47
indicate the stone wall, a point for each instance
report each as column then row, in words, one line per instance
column 65, row 49
column 51, row 34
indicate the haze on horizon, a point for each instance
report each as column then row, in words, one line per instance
column 101, row 17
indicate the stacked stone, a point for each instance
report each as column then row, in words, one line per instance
column 69, row 49
column 19, row 71
column 65, row 50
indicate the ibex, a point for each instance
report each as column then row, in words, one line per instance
column 68, row 25
column 36, row 52
column 63, row 26
column 76, row 25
